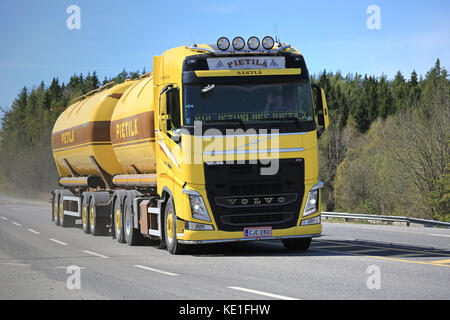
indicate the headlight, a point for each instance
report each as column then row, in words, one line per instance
column 198, row 208
column 312, row 203
column 268, row 43
column 253, row 43
column 223, row 43
column 238, row 43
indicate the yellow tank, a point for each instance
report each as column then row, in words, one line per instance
column 82, row 131
column 132, row 129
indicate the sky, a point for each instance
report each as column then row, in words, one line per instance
column 37, row 45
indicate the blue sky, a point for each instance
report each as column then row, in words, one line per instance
column 118, row 34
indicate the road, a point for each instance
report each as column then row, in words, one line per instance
column 350, row 261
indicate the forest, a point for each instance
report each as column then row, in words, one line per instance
column 386, row 150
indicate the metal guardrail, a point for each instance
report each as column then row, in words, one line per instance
column 407, row 220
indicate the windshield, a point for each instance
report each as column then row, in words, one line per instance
column 247, row 102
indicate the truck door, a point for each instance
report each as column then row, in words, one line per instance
column 168, row 138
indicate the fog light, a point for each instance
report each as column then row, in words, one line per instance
column 308, row 222
column 188, row 225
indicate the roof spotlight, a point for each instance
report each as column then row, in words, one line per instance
column 223, row 43
column 253, row 43
column 268, row 43
column 238, row 43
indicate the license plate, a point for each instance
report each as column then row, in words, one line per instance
column 258, row 232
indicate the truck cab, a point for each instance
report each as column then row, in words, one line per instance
column 236, row 137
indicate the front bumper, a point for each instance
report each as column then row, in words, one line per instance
column 203, row 237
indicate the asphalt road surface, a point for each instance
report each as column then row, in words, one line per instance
column 39, row 260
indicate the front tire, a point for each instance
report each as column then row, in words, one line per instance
column 170, row 230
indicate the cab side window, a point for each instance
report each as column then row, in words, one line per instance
column 173, row 109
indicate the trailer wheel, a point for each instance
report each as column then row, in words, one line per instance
column 97, row 223
column 65, row 221
column 170, row 230
column 54, row 206
column 118, row 222
column 132, row 235
column 298, row 244
column 85, row 215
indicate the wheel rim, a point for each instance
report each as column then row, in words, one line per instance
column 61, row 212
column 128, row 223
column 169, row 227
column 55, row 210
column 84, row 216
column 92, row 218
column 117, row 221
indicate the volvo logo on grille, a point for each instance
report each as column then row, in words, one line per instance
column 283, row 199
column 268, row 200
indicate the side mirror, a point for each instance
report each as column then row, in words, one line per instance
column 326, row 121
column 321, row 109
column 163, row 112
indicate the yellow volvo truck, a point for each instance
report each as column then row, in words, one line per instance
column 217, row 144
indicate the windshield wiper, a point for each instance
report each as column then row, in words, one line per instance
column 295, row 119
column 227, row 120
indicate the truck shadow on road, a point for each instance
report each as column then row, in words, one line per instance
column 323, row 247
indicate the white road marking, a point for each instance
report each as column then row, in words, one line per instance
column 4, row 218
column 95, row 254
column 262, row 293
column 15, row 223
column 15, row 264
column 33, row 231
column 156, row 270
column 57, row 241
column 440, row 235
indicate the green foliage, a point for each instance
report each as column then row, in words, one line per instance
column 401, row 164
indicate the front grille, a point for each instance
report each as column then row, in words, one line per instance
column 239, row 195
column 256, row 219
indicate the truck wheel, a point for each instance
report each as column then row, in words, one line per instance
column 298, row 244
column 132, row 235
column 170, row 230
column 85, row 216
column 118, row 222
column 65, row 221
column 54, row 206
column 97, row 224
